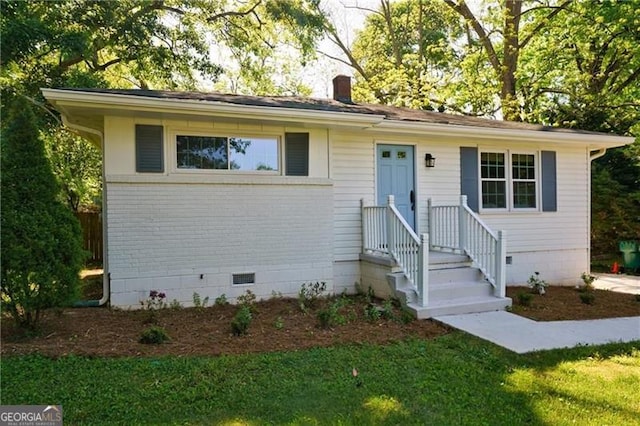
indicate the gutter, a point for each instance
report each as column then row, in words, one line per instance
column 82, row 130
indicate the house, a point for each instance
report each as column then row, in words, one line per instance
column 215, row 194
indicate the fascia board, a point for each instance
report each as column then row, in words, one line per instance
column 109, row 101
column 594, row 141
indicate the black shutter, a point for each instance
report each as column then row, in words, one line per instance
column 296, row 154
column 469, row 176
column 149, row 152
column 549, row 181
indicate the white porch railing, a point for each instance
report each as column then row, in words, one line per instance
column 458, row 229
column 385, row 231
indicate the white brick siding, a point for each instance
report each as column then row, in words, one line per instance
column 182, row 238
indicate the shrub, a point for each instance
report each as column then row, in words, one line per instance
column 154, row 302
column 248, row 299
column 309, row 294
column 372, row 313
column 525, row 299
column 221, row 300
column 241, row 321
column 153, row 335
column 406, row 316
column 279, row 323
column 587, row 297
column 387, row 309
column 198, row 302
column 537, row 284
column 588, row 280
column 175, row 305
column 41, row 239
column 330, row 316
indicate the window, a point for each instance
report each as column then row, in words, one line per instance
column 227, row 153
column 494, row 180
column 508, row 180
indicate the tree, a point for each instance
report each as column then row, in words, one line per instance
column 41, row 239
column 77, row 164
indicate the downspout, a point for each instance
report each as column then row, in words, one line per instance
column 105, row 262
column 592, row 156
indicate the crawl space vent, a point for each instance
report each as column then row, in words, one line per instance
column 244, row 278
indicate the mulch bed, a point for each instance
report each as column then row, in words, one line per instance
column 278, row 325
column 563, row 303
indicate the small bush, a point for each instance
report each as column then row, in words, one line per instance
column 330, row 316
column 588, row 280
column 175, row 305
column 198, row 302
column 537, row 284
column 241, row 321
column 387, row 309
column 587, row 297
column 406, row 316
column 153, row 335
column 248, row 299
column 372, row 313
column 221, row 300
column 525, row 299
column 309, row 294
column 279, row 324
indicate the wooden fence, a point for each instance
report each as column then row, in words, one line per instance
column 91, row 224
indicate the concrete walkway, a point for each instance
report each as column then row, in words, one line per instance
column 522, row 335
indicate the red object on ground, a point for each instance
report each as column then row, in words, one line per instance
column 615, row 269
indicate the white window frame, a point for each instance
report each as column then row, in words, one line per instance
column 173, row 138
column 509, row 179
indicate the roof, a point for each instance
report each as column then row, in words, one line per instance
column 329, row 105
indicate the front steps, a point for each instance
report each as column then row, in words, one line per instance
column 455, row 287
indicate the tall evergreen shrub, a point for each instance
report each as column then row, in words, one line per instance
column 41, row 239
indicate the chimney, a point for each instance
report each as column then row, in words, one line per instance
column 342, row 89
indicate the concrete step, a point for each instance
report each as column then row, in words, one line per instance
column 439, row 260
column 401, row 288
column 452, row 275
column 459, row 289
column 465, row 305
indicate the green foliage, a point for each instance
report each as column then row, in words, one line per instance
column 330, row 316
column 279, row 323
column 77, row 165
column 175, row 305
column 153, row 335
column 247, row 299
column 241, row 321
column 221, row 300
column 198, row 302
column 41, row 239
column 588, row 280
column 537, row 284
column 525, row 299
column 387, row 310
column 372, row 313
column 309, row 294
column 406, row 316
column 587, row 297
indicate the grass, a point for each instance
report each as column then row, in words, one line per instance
column 455, row 379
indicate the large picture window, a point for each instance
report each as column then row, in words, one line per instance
column 509, row 180
column 227, row 153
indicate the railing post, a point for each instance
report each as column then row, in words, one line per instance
column 462, row 224
column 423, row 271
column 390, row 222
column 501, row 264
column 363, row 225
column 430, row 226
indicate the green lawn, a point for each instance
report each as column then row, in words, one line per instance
column 456, row 379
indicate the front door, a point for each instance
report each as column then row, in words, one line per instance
column 396, row 177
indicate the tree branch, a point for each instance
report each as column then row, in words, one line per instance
column 543, row 22
column 234, row 13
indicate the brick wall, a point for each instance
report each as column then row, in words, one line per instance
column 182, row 238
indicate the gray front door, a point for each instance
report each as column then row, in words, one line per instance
column 395, row 176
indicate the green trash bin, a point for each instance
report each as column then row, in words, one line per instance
column 630, row 253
